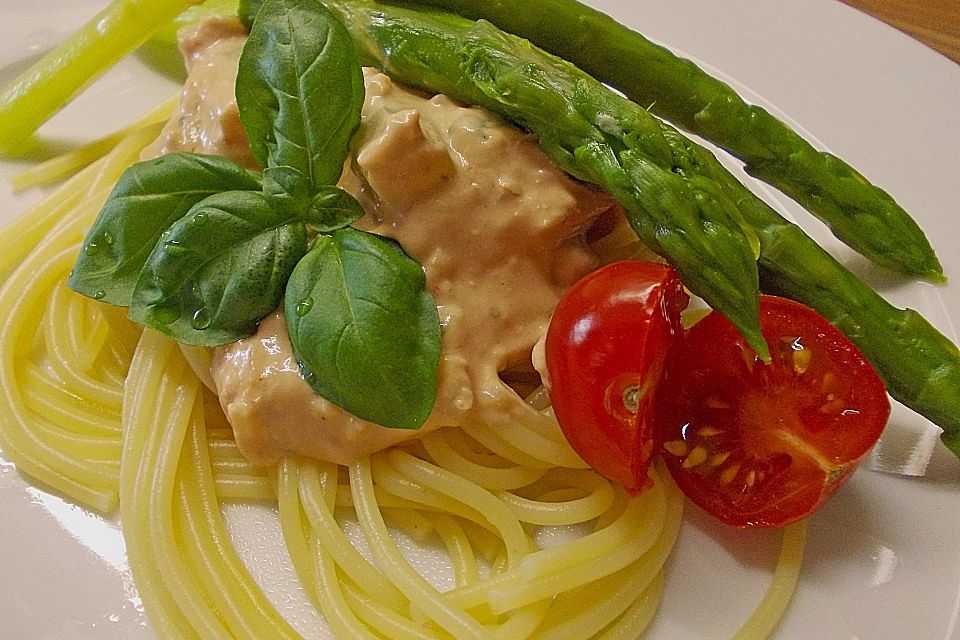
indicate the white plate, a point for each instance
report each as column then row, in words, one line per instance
column 883, row 559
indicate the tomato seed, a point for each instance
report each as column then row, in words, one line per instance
column 713, row 402
column 833, row 405
column 729, row 474
column 678, row 448
column 697, row 456
column 801, row 361
column 719, row 458
column 829, row 382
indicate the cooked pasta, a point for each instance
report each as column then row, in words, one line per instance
column 109, row 414
column 59, row 364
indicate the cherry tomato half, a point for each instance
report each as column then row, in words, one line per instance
column 604, row 351
column 758, row 444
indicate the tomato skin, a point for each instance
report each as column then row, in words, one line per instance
column 609, row 336
column 765, row 445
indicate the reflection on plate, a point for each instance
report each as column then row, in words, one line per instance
column 883, row 561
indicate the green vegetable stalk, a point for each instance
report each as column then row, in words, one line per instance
column 860, row 214
column 591, row 132
column 43, row 89
column 440, row 52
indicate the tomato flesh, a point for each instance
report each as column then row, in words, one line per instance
column 758, row 444
column 605, row 350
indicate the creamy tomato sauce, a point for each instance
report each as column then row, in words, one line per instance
column 207, row 120
column 497, row 227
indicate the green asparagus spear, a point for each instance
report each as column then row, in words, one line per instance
column 439, row 52
column 591, row 132
column 860, row 214
column 920, row 366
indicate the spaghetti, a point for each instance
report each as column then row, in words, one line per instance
column 109, row 414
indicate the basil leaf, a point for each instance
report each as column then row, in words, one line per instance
column 286, row 185
column 332, row 208
column 364, row 328
column 300, row 89
column 148, row 198
column 219, row 270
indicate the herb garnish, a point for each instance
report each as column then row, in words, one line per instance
column 364, row 327
column 201, row 249
column 149, row 197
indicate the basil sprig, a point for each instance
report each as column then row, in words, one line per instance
column 202, row 250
